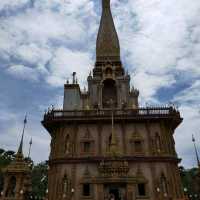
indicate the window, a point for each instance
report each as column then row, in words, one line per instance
column 141, row 189
column 86, row 147
column 138, row 146
column 86, row 189
column 164, row 184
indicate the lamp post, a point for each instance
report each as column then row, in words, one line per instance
column 21, row 192
column 158, row 191
column 72, row 193
column 1, row 194
column 185, row 192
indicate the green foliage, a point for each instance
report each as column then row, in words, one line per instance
column 5, row 158
column 39, row 179
column 188, row 179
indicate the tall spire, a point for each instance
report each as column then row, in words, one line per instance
column 107, row 44
column 197, row 156
column 20, row 149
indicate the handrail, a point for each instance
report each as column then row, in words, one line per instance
column 147, row 111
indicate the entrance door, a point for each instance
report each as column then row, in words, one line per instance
column 115, row 192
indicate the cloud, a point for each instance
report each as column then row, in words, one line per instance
column 190, row 96
column 33, row 54
column 159, row 38
column 34, row 36
column 65, row 62
column 12, row 4
column 45, row 41
column 23, row 72
column 150, row 83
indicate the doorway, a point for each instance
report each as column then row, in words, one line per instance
column 115, row 191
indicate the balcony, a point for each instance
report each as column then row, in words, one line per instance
column 91, row 115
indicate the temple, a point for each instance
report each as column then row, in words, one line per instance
column 104, row 146
column 17, row 176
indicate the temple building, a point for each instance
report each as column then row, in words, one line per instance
column 104, row 146
column 17, row 177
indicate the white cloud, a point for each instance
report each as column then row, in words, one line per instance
column 66, row 61
column 12, row 4
column 23, row 72
column 160, row 38
column 33, row 54
column 41, row 140
column 34, row 36
column 150, row 83
column 190, row 96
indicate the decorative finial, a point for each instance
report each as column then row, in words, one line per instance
column 20, row 150
column 74, row 77
column 196, row 152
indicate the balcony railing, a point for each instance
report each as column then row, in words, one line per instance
column 140, row 112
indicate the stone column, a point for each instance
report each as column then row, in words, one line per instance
column 100, row 192
column 130, row 192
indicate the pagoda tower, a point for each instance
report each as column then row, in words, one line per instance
column 17, row 176
column 103, row 144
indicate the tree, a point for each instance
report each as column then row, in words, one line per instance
column 39, row 179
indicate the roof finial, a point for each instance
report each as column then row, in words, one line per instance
column 74, row 77
column 197, row 156
column 20, row 150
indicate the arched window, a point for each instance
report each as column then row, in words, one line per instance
column 10, row 192
column 108, row 71
column 66, row 185
column 163, row 181
column 109, row 92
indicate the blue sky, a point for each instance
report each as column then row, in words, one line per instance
column 43, row 41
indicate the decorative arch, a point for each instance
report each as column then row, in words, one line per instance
column 137, row 142
column 11, row 188
column 163, row 184
column 108, row 71
column 87, row 143
column 66, row 186
column 109, row 91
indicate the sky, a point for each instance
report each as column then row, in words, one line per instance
column 43, row 41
